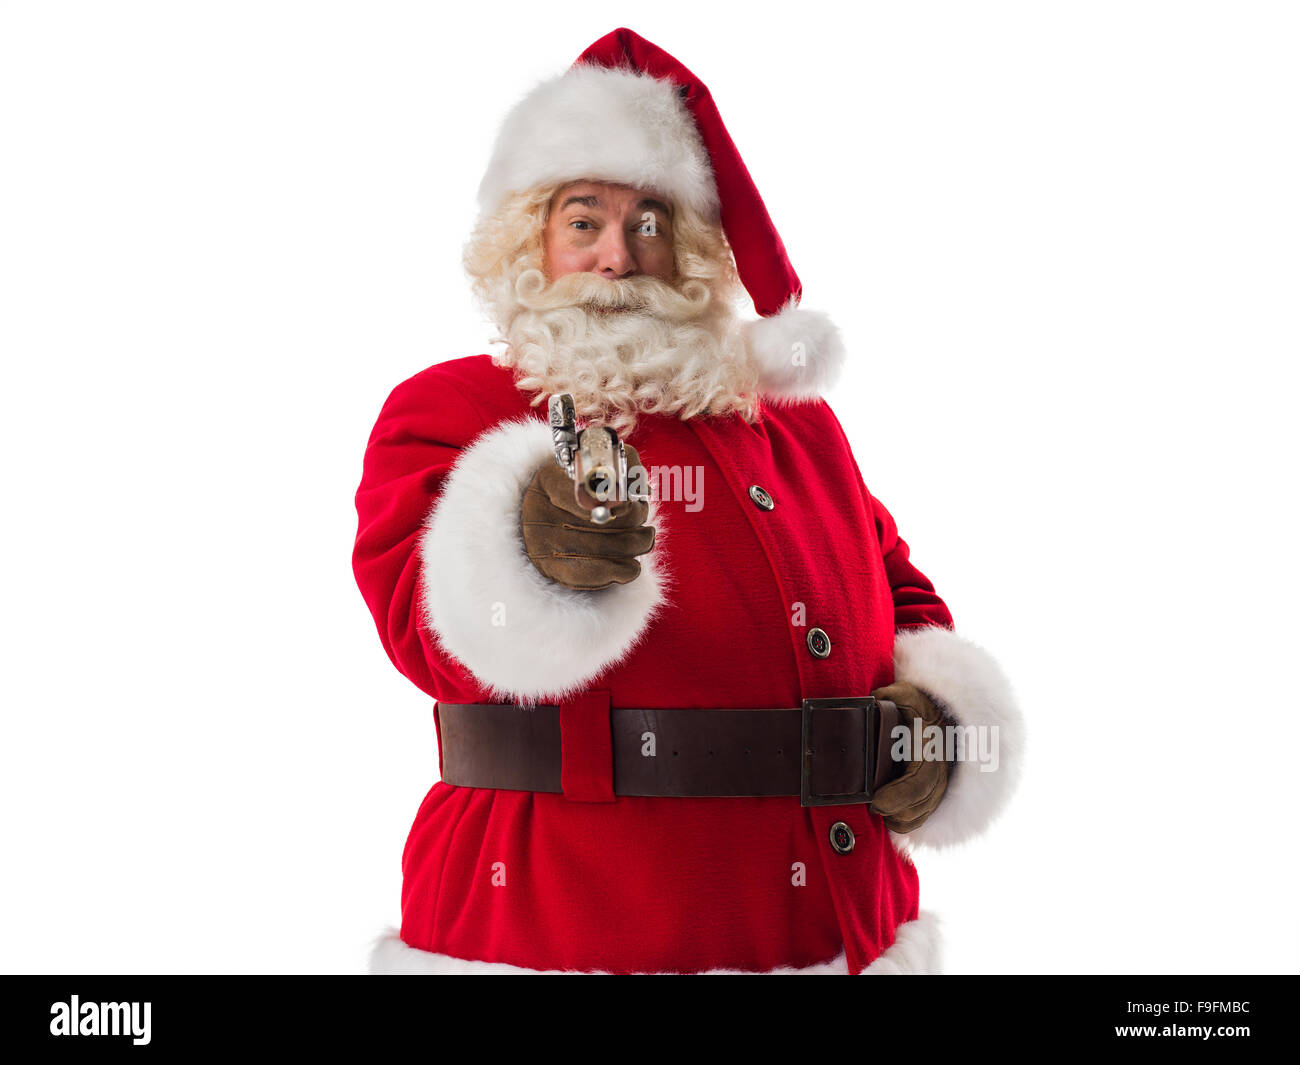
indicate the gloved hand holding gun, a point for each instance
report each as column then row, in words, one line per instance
column 583, row 518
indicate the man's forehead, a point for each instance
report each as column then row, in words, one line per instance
column 607, row 196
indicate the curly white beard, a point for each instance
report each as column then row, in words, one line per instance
column 628, row 347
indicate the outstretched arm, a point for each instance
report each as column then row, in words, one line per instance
column 441, row 560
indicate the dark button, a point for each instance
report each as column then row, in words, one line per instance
column 842, row 838
column 819, row 643
column 760, row 497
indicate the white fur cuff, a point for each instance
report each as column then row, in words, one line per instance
column 522, row 635
column 974, row 691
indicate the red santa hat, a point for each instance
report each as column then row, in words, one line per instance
column 628, row 112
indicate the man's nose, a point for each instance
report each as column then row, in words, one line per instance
column 614, row 257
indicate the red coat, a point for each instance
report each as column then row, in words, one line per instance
column 637, row 884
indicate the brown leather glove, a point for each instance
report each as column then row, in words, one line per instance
column 568, row 547
column 906, row 802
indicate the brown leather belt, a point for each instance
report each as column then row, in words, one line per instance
column 829, row 752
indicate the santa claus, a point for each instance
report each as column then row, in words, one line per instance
column 659, row 737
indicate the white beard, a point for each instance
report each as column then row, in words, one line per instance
column 623, row 348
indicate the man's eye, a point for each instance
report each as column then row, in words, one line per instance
column 580, row 224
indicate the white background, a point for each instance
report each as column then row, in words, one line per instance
column 1060, row 240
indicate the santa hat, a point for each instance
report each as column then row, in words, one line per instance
column 627, row 112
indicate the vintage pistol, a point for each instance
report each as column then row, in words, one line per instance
column 595, row 460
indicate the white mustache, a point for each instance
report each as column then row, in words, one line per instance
column 641, row 295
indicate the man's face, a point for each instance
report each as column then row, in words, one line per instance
column 611, row 230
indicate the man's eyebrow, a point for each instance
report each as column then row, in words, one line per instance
column 655, row 205
column 581, row 201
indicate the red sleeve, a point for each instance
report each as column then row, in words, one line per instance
column 915, row 601
column 421, row 430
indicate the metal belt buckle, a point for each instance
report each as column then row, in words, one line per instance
column 871, row 728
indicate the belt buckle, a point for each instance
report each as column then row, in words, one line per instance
column 871, row 729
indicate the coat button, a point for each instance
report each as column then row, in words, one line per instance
column 819, row 643
column 760, row 497
column 842, row 839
